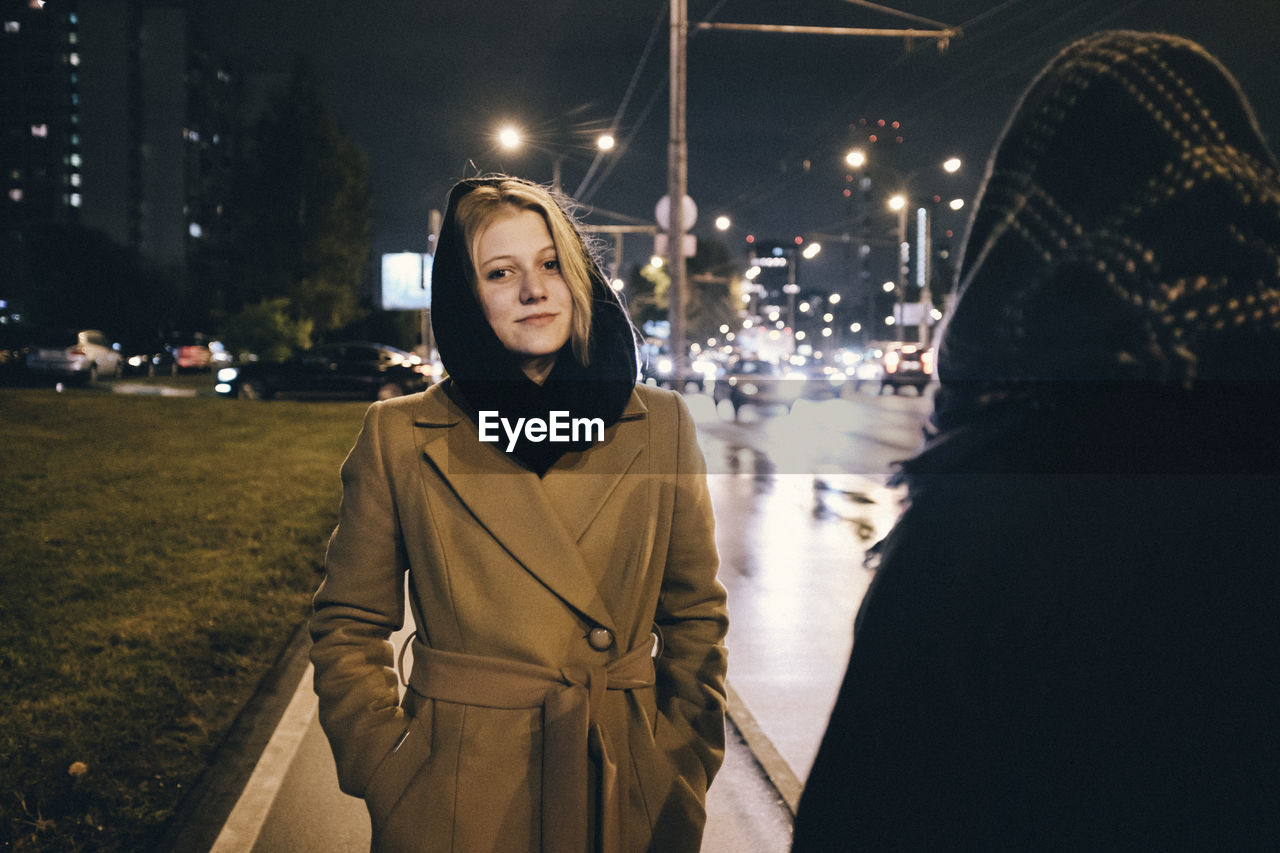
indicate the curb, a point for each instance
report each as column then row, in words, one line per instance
column 201, row 814
column 775, row 767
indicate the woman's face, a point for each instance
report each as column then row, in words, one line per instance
column 522, row 292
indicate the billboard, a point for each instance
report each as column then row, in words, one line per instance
column 406, row 281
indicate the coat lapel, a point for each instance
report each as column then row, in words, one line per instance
column 518, row 509
column 579, row 484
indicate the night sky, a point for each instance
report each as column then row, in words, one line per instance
column 422, row 86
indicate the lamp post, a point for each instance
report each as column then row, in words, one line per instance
column 900, row 204
column 511, row 138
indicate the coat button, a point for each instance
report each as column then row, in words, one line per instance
column 600, row 639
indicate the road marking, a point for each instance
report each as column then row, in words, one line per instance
column 775, row 767
column 244, row 824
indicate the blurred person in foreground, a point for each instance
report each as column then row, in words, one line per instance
column 1073, row 637
column 566, row 691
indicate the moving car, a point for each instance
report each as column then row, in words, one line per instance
column 84, row 355
column 869, row 367
column 909, row 365
column 355, row 369
column 821, row 380
column 751, row 381
column 659, row 370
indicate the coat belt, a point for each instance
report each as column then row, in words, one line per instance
column 572, row 735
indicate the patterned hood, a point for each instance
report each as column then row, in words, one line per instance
column 1124, row 252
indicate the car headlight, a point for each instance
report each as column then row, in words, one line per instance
column 228, row 374
column 665, row 365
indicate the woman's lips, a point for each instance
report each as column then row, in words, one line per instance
column 537, row 319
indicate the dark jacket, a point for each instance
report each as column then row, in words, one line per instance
column 1073, row 636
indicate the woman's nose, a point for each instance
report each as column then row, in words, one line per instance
column 532, row 289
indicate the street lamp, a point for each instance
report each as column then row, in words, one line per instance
column 511, row 138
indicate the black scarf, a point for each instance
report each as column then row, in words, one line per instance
column 485, row 376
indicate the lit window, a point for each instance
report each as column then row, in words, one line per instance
column 74, row 59
column 75, row 179
column 12, row 26
column 15, row 195
column 73, row 37
column 74, row 160
column 75, row 199
column 73, row 18
column 40, row 130
column 195, row 230
column 75, row 139
column 35, row 4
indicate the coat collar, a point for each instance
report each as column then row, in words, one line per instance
column 539, row 521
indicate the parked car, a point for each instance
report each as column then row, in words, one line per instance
column 190, row 351
column 84, row 355
column 147, row 357
column 358, row 369
column 751, row 381
column 909, row 365
column 15, row 344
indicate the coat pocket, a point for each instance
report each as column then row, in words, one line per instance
column 399, row 766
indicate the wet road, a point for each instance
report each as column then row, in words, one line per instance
column 798, row 498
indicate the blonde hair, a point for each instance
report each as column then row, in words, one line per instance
column 480, row 207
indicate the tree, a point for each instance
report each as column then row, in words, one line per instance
column 302, row 224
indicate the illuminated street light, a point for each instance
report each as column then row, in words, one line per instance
column 956, row 203
column 656, row 262
column 834, row 299
column 723, row 223
column 951, row 165
column 857, row 158
column 509, row 137
column 855, row 327
column 811, row 251
column 618, row 285
column 605, row 142
column 897, row 202
column 752, row 273
column 888, row 287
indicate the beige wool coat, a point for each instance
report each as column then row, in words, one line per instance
column 566, row 690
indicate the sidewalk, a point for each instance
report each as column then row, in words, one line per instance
column 290, row 802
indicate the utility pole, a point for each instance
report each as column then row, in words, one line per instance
column 677, row 188
column 678, row 151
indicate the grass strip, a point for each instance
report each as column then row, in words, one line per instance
column 155, row 556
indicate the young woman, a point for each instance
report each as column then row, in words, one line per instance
column 566, row 689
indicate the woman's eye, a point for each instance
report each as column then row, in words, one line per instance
column 551, row 265
column 495, row 275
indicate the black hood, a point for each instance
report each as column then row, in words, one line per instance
column 485, row 376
